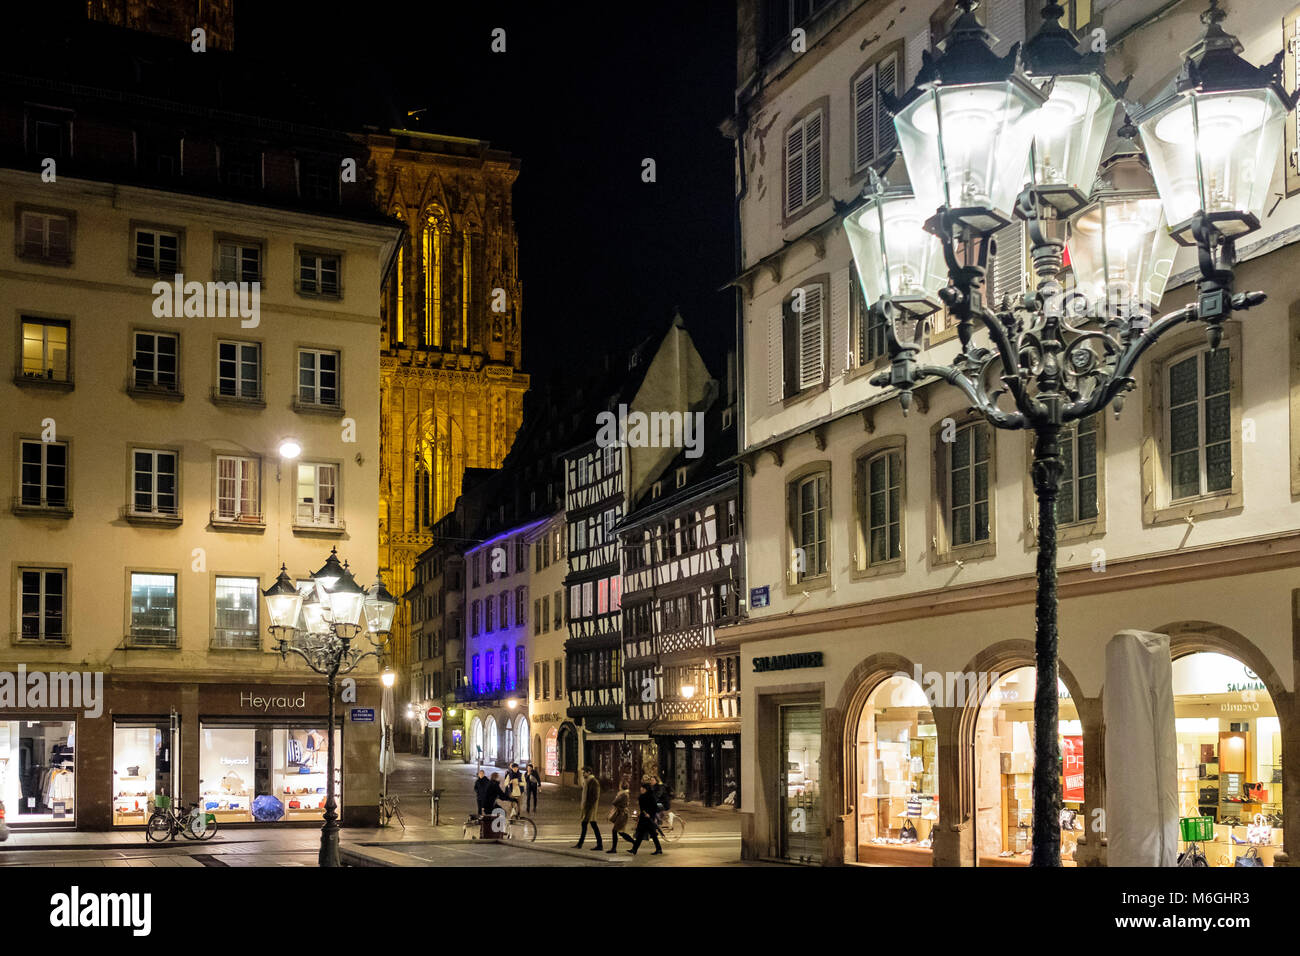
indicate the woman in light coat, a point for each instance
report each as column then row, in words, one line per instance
column 618, row 816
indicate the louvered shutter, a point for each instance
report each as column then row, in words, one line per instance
column 812, row 348
column 1291, row 71
column 886, row 82
column 1008, row 279
column 865, row 119
column 915, row 47
column 794, row 160
column 1006, row 21
column 839, row 322
column 812, row 158
column 775, row 378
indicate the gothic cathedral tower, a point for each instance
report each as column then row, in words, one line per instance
column 451, row 392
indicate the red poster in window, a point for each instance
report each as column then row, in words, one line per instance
column 1072, row 767
column 615, row 593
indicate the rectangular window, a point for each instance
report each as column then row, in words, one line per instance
column 521, row 664
column 153, row 609
column 544, row 618
column 803, row 163
column 317, row 495
column 475, row 674
column 49, row 133
column 504, row 601
column 44, row 474
column 968, row 485
column 537, row 616
column 537, row 681
column 318, row 377
column 475, row 617
column 588, row 589
column 873, row 127
column 239, row 261
column 602, row 596
column 318, row 274
column 157, row 252
column 158, row 155
column 559, row 609
column 44, row 235
column 154, row 365
column 241, row 169
column 153, row 487
column 521, row 606
column 489, row 615
column 810, row 507
column 236, row 623
column 317, row 181
column 880, row 508
column 869, row 337
column 237, row 498
column 239, row 370
column 546, row 680
column 615, row 592
column 1078, row 500
column 1200, row 424
column 41, row 608
column 560, row 686
column 45, row 349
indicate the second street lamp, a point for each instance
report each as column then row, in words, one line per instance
column 1037, row 368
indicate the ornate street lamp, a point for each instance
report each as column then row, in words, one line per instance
column 1120, row 248
column 965, row 129
column 318, row 622
column 1037, row 368
column 1213, row 137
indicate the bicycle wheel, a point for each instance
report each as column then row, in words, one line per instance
column 397, row 812
column 675, row 829
column 522, row 828
column 159, row 827
column 209, row 830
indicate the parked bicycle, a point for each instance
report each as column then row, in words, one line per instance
column 517, row 827
column 388, row 808
column 193, row 823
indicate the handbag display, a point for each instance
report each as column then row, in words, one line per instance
column 1249, row 858
column 1259, row 832
column 1193, row 856
column 1209, row 795
column 908, row 833
column 232, row 782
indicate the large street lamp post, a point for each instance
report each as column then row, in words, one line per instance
column 318, row 621
column 968, row 128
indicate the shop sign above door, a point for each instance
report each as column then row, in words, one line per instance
column 285, row 702
column 786, row 662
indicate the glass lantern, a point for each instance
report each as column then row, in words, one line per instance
column 1121, row 250
column 1069, row 134
column 283, row 601
column 379, row 608
column 966, row 147
column 895, row 257
column 345, row 600
column 1214, row 136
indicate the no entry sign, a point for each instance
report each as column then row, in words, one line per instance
column 434, row 715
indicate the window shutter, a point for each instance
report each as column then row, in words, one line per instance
column 839, row 322
column 864, row 128
column 915, row 47
column 1006, row 21
column 794, row 160
column 775, row 379
column 1008, row 277
column 886, row 82
column 1291, row 71
column 789, row 349
column 812, row 348
column 812, row 158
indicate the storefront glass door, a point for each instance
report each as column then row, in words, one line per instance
column 38, row 771
column 143, row 766
column 801, row 792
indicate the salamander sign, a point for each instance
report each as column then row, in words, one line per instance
column 787, row 662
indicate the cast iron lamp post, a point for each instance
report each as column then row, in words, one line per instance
column 983, row 141
column 318, row 620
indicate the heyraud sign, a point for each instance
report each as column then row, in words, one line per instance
column 280, row 702
column 59, row 690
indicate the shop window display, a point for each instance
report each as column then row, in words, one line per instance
column 266, row 774
column 38, row 771
column 1004, row 772
column 1229, row 758
column 142, row 767
column 801, row 792
column 897, row 775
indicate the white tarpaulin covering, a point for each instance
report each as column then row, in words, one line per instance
column 387, row 758
column 1141, row 751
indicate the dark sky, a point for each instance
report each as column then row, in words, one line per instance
column 581, row 99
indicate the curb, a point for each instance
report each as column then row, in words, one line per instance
column 370, row 854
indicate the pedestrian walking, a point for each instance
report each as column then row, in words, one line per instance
column 491, row 794
column 646, row 826
column 513, row 786
column 619, row 816
column 480, row 790
column 590, row 800
column 533, row 786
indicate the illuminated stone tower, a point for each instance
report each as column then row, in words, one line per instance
column 171, row 18
column 451, row 392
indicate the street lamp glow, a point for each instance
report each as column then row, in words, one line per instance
column 346, row 599
column 290, row 449
column 688, row 691
column 452, row 712
column 512, row 703
column 388, row 678
column 379, row 607
column 283, row 601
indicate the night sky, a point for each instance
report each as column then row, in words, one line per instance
column 581, row 101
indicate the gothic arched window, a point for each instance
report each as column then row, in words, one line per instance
column 432, row 249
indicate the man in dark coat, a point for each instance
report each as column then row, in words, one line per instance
column 480, row 789
column 645, row 821
column 590, row 800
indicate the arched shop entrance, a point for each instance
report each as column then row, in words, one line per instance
column 1004, row 769
column 1229, row 756
column 476, row 741
column 493, row 741
column 522, row 756
column 897, row 775
column 568, row 749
